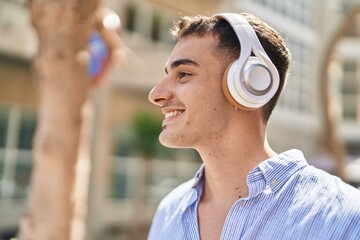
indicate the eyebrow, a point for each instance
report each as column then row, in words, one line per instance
column 179, row 62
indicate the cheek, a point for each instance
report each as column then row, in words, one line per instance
column 211, row 111
column 206, row 103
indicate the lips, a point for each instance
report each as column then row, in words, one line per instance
column 170, row 115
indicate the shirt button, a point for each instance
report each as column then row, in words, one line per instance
column 273, row 181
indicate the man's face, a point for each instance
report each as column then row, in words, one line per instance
column 190, row 95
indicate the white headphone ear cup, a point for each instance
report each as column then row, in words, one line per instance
column 250, row 90
column 256, row 77
column 226, row 91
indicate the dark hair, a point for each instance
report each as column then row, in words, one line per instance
column 229, row 47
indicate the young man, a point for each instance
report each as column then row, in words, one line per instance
column 221, row 85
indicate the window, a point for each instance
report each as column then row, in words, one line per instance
column 130, row 18
column 22, row 175
column 120, row 175
column 3, row 126
column 156, row 27
column 26, row 130
column 152, row 23
column 297, row 10
column 17, row 127
column 299, row 88
column 350, row 90
column 119, row 178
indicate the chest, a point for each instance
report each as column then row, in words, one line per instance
column 251, row 220
column 211, row 222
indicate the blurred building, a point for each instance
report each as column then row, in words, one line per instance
column 17, row 111
column 117, row 164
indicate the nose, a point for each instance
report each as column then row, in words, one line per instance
column 159, row 95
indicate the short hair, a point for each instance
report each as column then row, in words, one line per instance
column 229, row 47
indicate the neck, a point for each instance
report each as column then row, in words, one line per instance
column 227, row 163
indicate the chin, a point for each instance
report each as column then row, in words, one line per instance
column 168, row 143
column 171, row 141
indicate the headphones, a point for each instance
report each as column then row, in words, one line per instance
column 250, row 81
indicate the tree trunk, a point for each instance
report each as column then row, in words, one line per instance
column 63, row 28
column 333, row 141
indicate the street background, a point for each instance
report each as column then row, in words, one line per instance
column 129, row 171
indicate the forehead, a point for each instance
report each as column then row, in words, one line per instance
column 198, row 49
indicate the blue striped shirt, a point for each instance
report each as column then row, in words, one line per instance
column 288, row 199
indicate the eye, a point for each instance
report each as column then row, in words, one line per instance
column 183, row 75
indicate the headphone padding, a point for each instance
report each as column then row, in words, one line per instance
column 227, row 93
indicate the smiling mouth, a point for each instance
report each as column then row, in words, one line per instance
column 170, row 116
column 173, row 114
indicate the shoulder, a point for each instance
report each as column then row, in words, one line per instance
column 324, row 186
column 312, row 179
column 331, row 203
column 317, row 203
column 333, row 185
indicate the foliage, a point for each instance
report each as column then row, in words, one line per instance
column 146, row 127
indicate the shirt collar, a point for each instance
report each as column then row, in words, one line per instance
column 198, row 176
column 269, row 176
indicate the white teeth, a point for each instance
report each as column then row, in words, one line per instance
column 173, row 113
